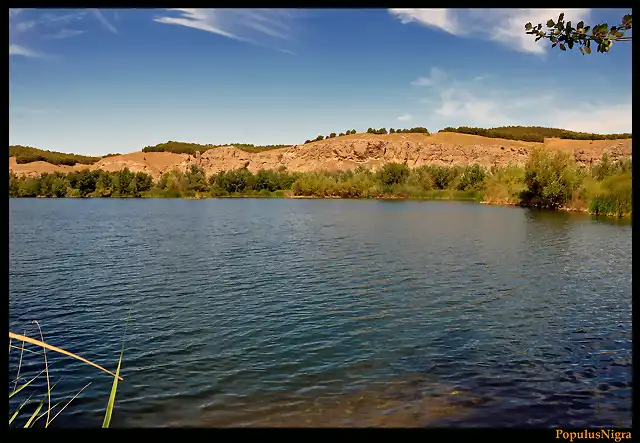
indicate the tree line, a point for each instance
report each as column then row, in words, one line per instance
column 331, row 135
column 27, row 154
column 533, row 133
column 193, row 148
column 548, row 180
column 83, row 183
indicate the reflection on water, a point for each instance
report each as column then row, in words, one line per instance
column 328, row 313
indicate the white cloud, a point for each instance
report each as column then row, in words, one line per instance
column 435, row 18
column 463, row 102
column 28, row 26
column 256, row 26
column 405, row 117
column 604, row 119
column 67, row 33
column 437, row 76
column 23, row 51
column 505, row 26
column 102, row 19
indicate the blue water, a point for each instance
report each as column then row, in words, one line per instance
column 254, row 312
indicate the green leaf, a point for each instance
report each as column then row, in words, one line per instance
column 568, row 25
column 554, row 45
column 561, row 17
column 563, row 47
column 25, row 385
column 539, row 26
column 528, row 26
column 114, row 388
column 553, row 39
column 587, row 49
column 619, row 34
column 570, row 43
column 35, row 413
column 550, row 23
column 580, row 25
column 15, row 414
column 582, row 50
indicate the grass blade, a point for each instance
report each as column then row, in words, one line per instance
column 54, row 417
column 15, row 414
column 35, row 413
column 25, row 385
column 27, row 350
column 114, row 388
column 46, row 367
column 42, row 344
column 19, row 366
column 49, row 409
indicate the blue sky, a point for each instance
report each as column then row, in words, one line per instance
column 95, row 81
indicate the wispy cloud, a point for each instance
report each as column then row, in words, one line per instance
column 504, row 26
column 23, row 51
column 462, row 102
column 27, row 27
column 102, row 19
column 256, row 26
column 436, row 77
column 435, row 18
column 405, row 117
column 67, row 33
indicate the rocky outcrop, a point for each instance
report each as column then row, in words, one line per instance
column 349, row 152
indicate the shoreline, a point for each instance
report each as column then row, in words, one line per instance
column 332, row 197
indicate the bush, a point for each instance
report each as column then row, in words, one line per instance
column 615, row 197
column 393, row 173
column 416, row 130
column 550, row 179
column 471, row 179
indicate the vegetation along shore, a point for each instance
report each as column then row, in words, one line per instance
column 482, row 167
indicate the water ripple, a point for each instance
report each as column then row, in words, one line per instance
column 327, row 313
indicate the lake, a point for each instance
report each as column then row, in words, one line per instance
column 293, row 312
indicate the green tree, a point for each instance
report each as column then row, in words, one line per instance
column 550, row 179
column 333, row 134
column 391, row 131
column 563, row 34
column 471, row 179
column 196, row 180
column 104, row 185
column 59, row 186
column 29, row 188
column 14, row 185
column 393, row 174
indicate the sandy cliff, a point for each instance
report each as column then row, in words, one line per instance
column 348, row 152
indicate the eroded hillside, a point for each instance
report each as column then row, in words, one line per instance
column 351, row 151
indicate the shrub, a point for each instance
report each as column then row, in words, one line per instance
column 615, row 197
column 471, row 179
column 393, row 173
column 550, row 178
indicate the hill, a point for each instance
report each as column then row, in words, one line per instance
column 348, row 152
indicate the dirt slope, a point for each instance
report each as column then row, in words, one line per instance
column 347, row 152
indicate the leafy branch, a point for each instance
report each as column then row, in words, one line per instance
column 564, row 35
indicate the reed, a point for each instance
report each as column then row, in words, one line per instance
column 19, row 387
